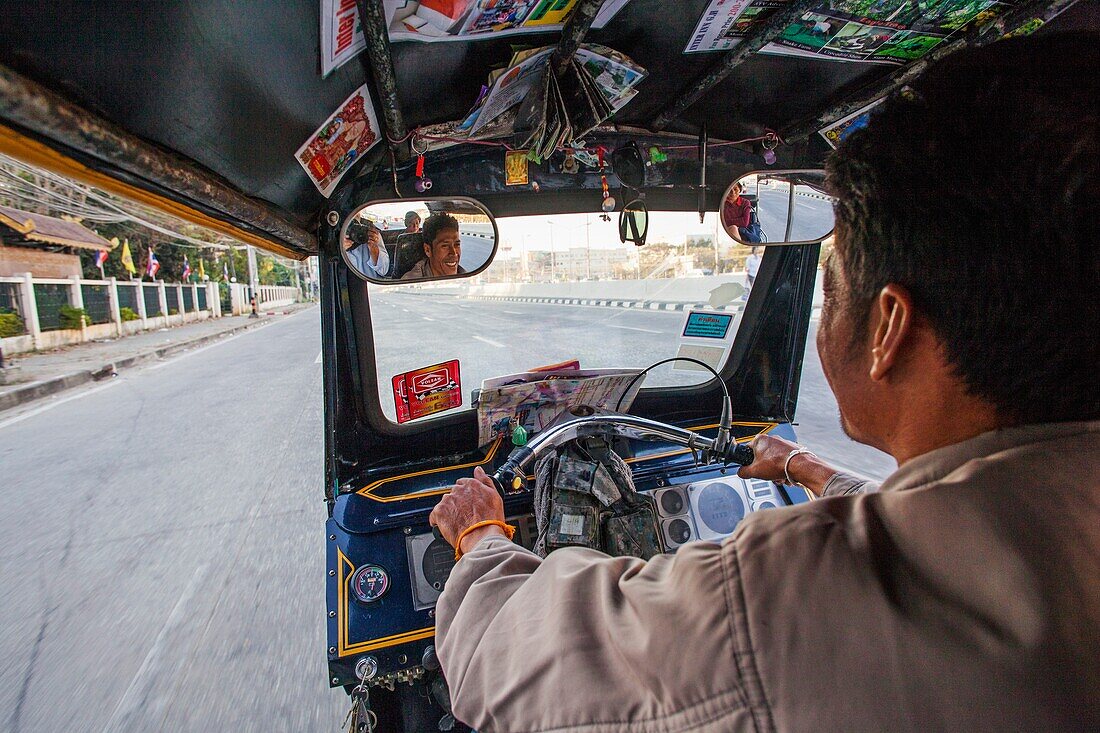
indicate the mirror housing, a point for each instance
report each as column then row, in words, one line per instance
column 634, row 223
column 773, row 208
column 383, row 241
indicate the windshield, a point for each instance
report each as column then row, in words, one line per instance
column 563, row 288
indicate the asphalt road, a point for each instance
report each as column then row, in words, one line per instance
column 162, row 548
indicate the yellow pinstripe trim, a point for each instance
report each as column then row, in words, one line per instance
column 343, row 646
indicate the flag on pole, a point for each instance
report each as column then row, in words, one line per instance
column 202, row 270
column 225, row 271
column 152, row 267
column 100, row 258
column 186, row 269
column 127, row 258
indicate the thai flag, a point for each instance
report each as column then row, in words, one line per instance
column 225, row 271
column 186, row 269
column 100, row 258
column 153, row 266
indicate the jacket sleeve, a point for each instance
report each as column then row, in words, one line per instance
column 584, row 639
column 842, row 484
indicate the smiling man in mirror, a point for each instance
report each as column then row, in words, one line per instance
column 442, row 250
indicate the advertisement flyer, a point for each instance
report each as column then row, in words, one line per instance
column 835, row 133
column 445, row 20
column 725, row 22
column 879, row 31
column 348, row 133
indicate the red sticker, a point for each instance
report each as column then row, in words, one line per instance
column 427, row 391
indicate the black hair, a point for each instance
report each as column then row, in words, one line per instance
column 435, row 224
column 977, row 190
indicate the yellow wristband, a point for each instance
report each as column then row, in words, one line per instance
column 509, row 532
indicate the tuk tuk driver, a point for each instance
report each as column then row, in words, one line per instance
column 442, row 249
column 961, row 595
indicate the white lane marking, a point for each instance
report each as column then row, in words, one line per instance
column 318, row 359
column 39, row 410
column 404, row 310
column 490, row 342
column 136, row 699
column 427, row 319
column 632, row 328
column 514, row 313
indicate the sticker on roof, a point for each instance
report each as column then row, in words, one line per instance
column 349, row 132
column 879, row 31
column 445, row 20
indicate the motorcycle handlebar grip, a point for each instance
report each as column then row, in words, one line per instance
column 742, row 454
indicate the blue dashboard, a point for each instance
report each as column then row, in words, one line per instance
column 385, row 569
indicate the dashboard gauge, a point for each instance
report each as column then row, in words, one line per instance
column 672, row 503
column 438, row 560
column 679, row 531
column 720, row 508
column 370, row 583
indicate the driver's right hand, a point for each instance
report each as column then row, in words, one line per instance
column 770, row 454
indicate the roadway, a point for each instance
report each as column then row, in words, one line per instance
column 162, row 552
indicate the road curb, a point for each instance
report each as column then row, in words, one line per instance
column 49, row 387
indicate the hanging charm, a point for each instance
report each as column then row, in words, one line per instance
column 423, row 183
column 770, row 143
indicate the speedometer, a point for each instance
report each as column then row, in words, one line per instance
column 370, row 583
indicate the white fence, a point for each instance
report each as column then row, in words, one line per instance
column 114, row 308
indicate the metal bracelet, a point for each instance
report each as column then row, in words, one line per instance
column 787, row 463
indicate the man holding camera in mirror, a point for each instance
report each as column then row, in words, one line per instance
column 365, row 250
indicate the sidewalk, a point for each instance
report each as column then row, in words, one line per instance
column 42, row 374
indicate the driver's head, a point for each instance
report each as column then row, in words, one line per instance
column 442, row 244
column 950, row 278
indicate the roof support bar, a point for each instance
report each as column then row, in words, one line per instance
column 29, row 106
column 377, row 35
column 995, row 29
column 752, row 43
column 573, row 33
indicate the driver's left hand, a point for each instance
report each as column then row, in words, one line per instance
column 471, row 500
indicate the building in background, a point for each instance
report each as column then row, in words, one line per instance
column 43, row 245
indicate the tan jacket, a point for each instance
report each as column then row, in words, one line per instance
column 964, row 596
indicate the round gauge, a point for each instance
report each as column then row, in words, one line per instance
column 765, row 505
column 370, row 583
column 679, row 531
column 672, row 502
column 720, row 508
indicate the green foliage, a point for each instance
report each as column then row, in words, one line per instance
column 11, row 324
column 173, row 312
column 127, row 314
column 71, row 317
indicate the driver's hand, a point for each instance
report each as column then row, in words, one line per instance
column 771, row 453
column 471, row 500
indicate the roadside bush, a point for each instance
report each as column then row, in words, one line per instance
column 11, row 324
column 127, row 314
column 72, row 317
column 173, row 312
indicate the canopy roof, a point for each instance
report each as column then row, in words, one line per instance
column 42, row 228
column 226, row 91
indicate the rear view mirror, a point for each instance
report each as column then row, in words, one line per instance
column 778, row 208
column 634, row 223
column 388, row 241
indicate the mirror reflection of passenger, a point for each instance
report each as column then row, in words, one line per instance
column 363, row 243
column 738, row 218
column 752, row 266
column 442, row 249
column 412, row 222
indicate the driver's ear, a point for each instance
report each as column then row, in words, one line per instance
column 427, row 249
column 894, row 306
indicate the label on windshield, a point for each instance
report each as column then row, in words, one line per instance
column 427, row 391
column 707, row 325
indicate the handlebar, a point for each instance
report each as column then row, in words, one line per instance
column 509, row 478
